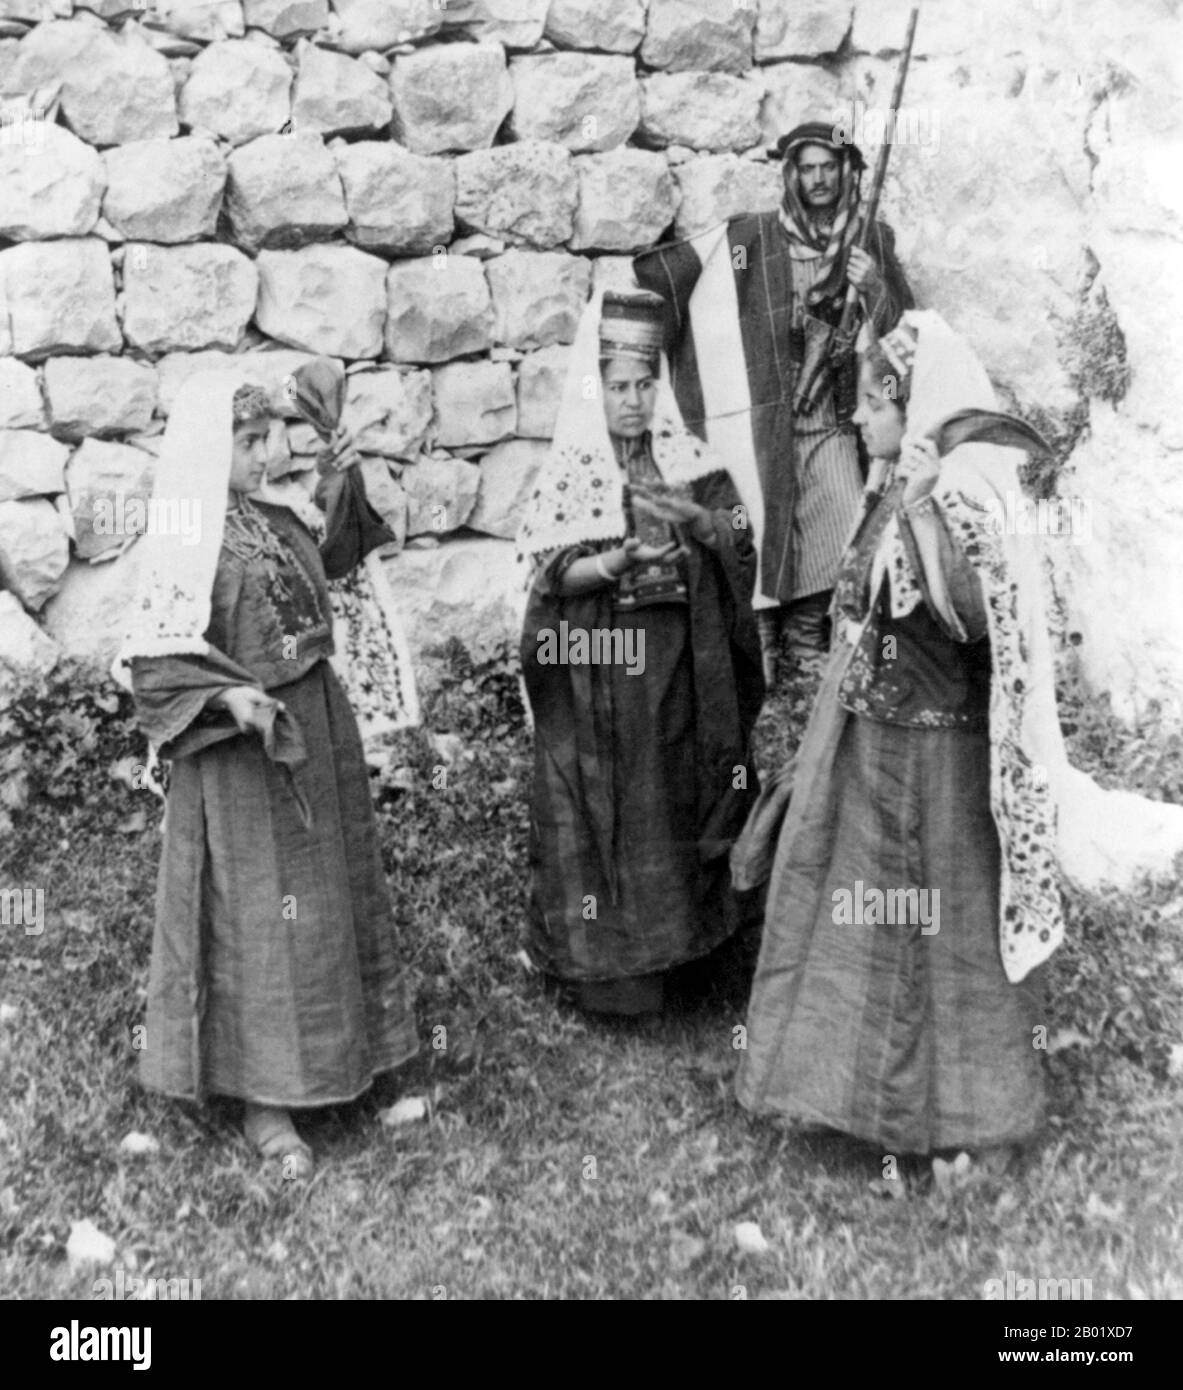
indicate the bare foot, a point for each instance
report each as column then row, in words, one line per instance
column 271, row 1131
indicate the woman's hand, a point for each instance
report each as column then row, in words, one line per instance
column 919, row 465
column 248, row 706
column 676, row 511
column 340, row 452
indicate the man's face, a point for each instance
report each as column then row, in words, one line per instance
column 248, row 463
column 818, row 172
column 630, row 393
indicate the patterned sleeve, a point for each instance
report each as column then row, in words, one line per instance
column 950, row 585
column 550, row 568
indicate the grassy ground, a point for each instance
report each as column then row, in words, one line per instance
column 561, row 1157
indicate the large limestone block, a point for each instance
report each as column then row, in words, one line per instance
column 627, row 198
column 804, row 28
column 89, row 615
column 614, row 26
column 541, row 376
column 114, row 87
column 438, row 307
column 53, row 188
column 474, row 403
column 284, row 191
column 463, row 588
column 109, row 486
column 57, row 296
column 720, row 186
column 237, row 90
column 525, row 193
column 335, row 93
column 380, row 24
column 681, row 35
column 389, row 411
column 797, row 92
column 34, row 549
column 538, row 297
column 450, row 96
column 24, row 648
column 507, row 475
column 398, row 203
column 201, row 19
column 165, row 190
column 31, row 464
column 328, row 299
column 515, row 23
column 582, row 100
column 283, row 19
column 386, row 495
column 21, row 406
column 99, row 395
column 704, row 110
column 441, row 493
column 186, row 297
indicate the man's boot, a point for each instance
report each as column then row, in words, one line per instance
column 768, row 625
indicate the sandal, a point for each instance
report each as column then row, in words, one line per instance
column 270, row 1130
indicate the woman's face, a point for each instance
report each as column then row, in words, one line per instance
column 248, row 464
column 630, row 392
column 880, row 420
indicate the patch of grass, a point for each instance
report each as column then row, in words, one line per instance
column 562, row 1157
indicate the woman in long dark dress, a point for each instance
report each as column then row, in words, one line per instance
column 274, row 971
column 641, row 775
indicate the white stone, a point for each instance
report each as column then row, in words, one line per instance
column 88, row 1246
column 99, row 395
column 389, row 411
column 398, row 203
column 507, row 475
column 581, row 100
column 720, row 186
column 164, row 190
column 21, row 406
column 525, row 193
column 704, row 110
column 540, row 381
column 181, row 298
column 450, row 97
column 57, row 296
column 627, row 198
column 538, row 297
column 386, row 495
column 24, row 649
column 89, row 615
column 284, row 191
column 681, row 35
column 438, row 307
column 34, row 549
column 31, row 464
column 109, row 487
column 474, row 403
column 237, row 90
column 325, row 299
column 114, row 87
column 202, row 19
column 802, row 29
column 284, row 18
column 515, row 23
column 441, row 493
column 379, row 24
column 797, row 92
column 614, row 26
column 336, row 93
column 51, row 188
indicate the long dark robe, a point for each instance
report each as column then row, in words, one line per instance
column 636, row 797
column 773, row 347
column 274, row 971
column 909, row 1038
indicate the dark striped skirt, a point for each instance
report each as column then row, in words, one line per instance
column 907, row 1037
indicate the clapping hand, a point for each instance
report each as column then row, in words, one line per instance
column 676, row 511
column 918, row 466
column 249, row 707
column 340, row 452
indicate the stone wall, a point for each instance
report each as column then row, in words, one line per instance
column 426, row 190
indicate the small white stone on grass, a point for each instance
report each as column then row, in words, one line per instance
column 88, row 1245
column 405, row 1111
column 750, row 1238
column 137, row 1143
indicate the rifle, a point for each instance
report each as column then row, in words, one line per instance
column 841, row 337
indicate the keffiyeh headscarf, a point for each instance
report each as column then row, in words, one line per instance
column 831, row 239
column 579, row 494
